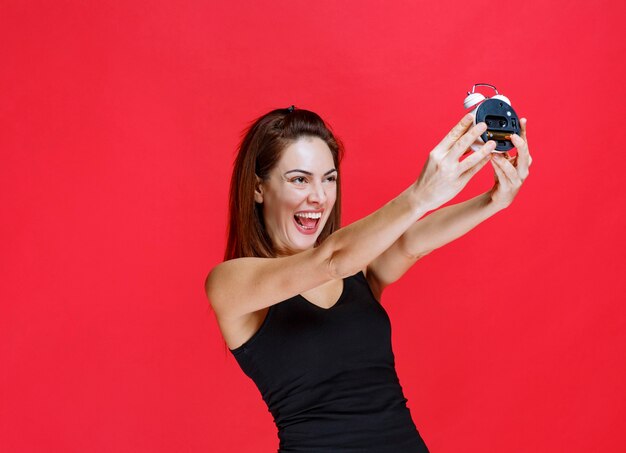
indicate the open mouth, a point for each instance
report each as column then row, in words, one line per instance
column 307, row 222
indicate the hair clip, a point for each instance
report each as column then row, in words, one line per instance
column 292, row 108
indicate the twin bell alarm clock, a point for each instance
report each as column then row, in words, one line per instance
column 497, row 113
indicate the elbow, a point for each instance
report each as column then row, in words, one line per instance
column 421, row 254
column 415, row 256
column 412, row 253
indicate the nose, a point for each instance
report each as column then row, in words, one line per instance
column 317, row 195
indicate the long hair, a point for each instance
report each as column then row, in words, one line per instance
column 259, row 151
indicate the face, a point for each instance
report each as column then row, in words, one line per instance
column 299, row 194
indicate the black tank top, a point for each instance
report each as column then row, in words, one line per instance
column 328, row 375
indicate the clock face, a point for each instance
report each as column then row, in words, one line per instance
column 501, row 120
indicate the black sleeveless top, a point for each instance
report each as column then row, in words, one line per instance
column 328, row 375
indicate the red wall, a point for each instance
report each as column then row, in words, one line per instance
column 118, row 125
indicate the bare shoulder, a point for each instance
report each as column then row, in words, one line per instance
column 220, row 279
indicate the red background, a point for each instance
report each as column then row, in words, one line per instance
column 118, row 125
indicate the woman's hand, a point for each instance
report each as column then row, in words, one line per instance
column 444, row 176
column 510, row 172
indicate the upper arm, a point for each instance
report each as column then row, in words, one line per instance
column 389, row 266
column 245, row 285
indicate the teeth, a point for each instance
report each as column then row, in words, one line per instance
column 309, row 215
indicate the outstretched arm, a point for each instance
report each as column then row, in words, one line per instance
column 449, row 223
column 438, row 229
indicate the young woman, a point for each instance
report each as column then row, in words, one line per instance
column 298, row 299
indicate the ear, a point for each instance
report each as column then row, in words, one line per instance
column 258, row 190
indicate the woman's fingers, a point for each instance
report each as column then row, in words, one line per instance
column 500, row 176
column 454, row 134
column 523, row 122
column 523, row 154
column 465, row 177
column 462, row 144
column 512, row 159
column 472, row 161
column 509, row 171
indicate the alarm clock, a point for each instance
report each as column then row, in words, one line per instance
column 497, row 113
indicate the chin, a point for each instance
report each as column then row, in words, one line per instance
column 295, row 242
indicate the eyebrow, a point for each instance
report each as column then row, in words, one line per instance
column 308, row 172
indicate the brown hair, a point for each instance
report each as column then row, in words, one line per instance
column 260, row 150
